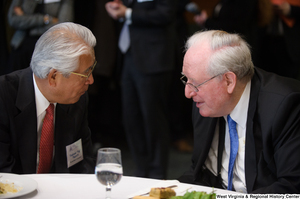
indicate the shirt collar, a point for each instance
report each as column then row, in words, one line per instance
column 41, row 102
column 239, row 113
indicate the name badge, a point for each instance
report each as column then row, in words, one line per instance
column 51, row 1
column 74, row 153
column 141, row 1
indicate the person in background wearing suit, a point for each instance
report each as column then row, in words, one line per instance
column 258, row 151
column 30, row 19
column 149, row 58
column 59, row 75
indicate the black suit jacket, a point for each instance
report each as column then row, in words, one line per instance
column 18, row 128
column 272, row 163
column 153, row 34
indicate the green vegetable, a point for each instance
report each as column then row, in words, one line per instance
column 189, row 195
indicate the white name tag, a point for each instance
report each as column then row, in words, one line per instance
column 51, row 1
column 74, row 153
column 140, row 1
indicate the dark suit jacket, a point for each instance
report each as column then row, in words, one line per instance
column 152, row 35
column 18, row 128
column 272, row 163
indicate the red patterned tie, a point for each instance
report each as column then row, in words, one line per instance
column 46, row 142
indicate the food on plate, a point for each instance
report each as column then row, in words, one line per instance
column 9, row 188
column 162, row 192
column 168, row 193
column 196, row 195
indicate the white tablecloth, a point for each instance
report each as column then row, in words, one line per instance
column 86, row 186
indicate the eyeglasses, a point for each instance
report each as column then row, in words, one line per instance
column 89, row 72
column 195, row 88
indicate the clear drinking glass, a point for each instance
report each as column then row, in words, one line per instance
column 109, row 170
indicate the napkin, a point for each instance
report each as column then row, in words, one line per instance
column 163, row 184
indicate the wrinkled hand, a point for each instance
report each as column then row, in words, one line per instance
column 116, row 9
column 18, row 11
column 201, row 19
column 283, row 8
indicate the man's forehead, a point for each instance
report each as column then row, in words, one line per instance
column 197, row 57
column 202, row 47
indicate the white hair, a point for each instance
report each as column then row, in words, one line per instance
column 60, row 48
column 229, row 53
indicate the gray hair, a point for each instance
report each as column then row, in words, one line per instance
column 60, row 48
column 229, row 53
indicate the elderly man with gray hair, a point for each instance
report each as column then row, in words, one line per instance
column 43, row 108
column 246, row 120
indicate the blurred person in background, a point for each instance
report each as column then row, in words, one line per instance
column 280, row 40
column 30, row 19
column 148, row 44
column 4, row 50
column 104, row 110
column 179, row 106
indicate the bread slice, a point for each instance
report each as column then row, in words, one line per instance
column 162, row 192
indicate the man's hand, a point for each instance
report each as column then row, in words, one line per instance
column 18, row 11
column 116, row 9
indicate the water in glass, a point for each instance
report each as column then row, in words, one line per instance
column 108, row 168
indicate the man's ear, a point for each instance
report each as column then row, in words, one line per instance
column 230, row 79
column 52, row 77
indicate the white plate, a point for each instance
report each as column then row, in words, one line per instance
column 27, row 183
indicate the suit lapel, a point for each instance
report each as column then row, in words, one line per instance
column 64, row 135
column 26, row 123
column 251, row 145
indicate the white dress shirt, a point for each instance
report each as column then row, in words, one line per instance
column 41, row 105
column 239, row 115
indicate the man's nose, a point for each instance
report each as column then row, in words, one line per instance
column 189, row 92
column 90, row 79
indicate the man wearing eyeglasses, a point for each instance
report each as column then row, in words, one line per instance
column 246, row 120
column 43, row 108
